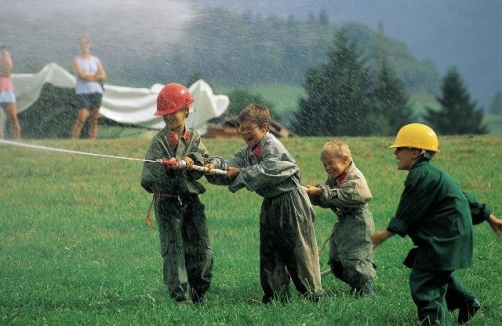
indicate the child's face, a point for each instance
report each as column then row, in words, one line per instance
column 406, row 157
column 335, row 166
column 252, row 133
column 176, row 120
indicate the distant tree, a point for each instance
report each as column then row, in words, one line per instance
column 457, row 115
column 323, row 18
column 240, row 98
column 31, row 64
column 195, row 76
column 496, row 104
column 390, row 102
column 390, row 108
column 338, row 95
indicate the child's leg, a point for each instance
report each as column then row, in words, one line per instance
column 169, row 222
column 274, row 278
column 198, row 252
column 334, row 262
column 460, row 297
column 457, row 294
column 298, row 245
column 357, row 269
column 428, row 290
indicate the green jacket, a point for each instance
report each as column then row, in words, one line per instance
column 435, row 214
column 479, row 212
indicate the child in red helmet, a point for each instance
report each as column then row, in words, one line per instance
column 181, row 219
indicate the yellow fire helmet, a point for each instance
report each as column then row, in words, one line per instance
column 417, row 135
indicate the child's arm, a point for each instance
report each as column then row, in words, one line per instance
column 496, row 224
column 481, row 212
column 315, row 193
column 379, row 237
column 217, row 162
column 352, row 193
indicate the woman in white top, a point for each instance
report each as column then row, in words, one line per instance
column 7, row 95
column 90, row 76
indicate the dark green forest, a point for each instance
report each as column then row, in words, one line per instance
column 239, row 51
column 223, row 47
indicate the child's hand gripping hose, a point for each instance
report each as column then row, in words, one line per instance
column 181, row 164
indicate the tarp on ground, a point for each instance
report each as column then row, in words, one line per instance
column 50, row 92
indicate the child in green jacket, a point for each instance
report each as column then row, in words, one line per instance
column 434, row 212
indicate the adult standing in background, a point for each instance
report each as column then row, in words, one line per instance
column 90, row 76
column 7, row 95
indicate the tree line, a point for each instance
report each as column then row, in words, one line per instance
column 345, row 98
column 357, row 79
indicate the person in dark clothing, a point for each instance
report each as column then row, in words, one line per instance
column 434, row 212
column 181, row 219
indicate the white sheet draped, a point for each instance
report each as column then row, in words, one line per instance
column 128, row 105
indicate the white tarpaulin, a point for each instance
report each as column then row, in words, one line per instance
column 127, row 105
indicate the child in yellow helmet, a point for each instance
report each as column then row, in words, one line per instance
column 434, row 212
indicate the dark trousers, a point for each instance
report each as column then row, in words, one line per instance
column 457, row 294
column 428, row 291
column 185, row 246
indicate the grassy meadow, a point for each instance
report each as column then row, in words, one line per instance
column 75, row 249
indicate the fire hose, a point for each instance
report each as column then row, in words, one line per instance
column 167, row 162
column 173, row 163
column 182, row 164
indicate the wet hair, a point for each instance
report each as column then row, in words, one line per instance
column 335, row 149
column 256, row 113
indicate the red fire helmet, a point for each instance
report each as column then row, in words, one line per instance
column 171, row 98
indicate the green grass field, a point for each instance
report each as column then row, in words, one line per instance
column 75, row 249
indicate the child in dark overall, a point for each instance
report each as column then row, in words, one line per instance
column 181, row 219
column 434, row 212
column 458, row 296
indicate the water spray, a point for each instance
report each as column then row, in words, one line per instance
column 173, row 163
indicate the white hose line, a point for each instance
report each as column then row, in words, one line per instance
column 69, row 151
column 19, row 144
